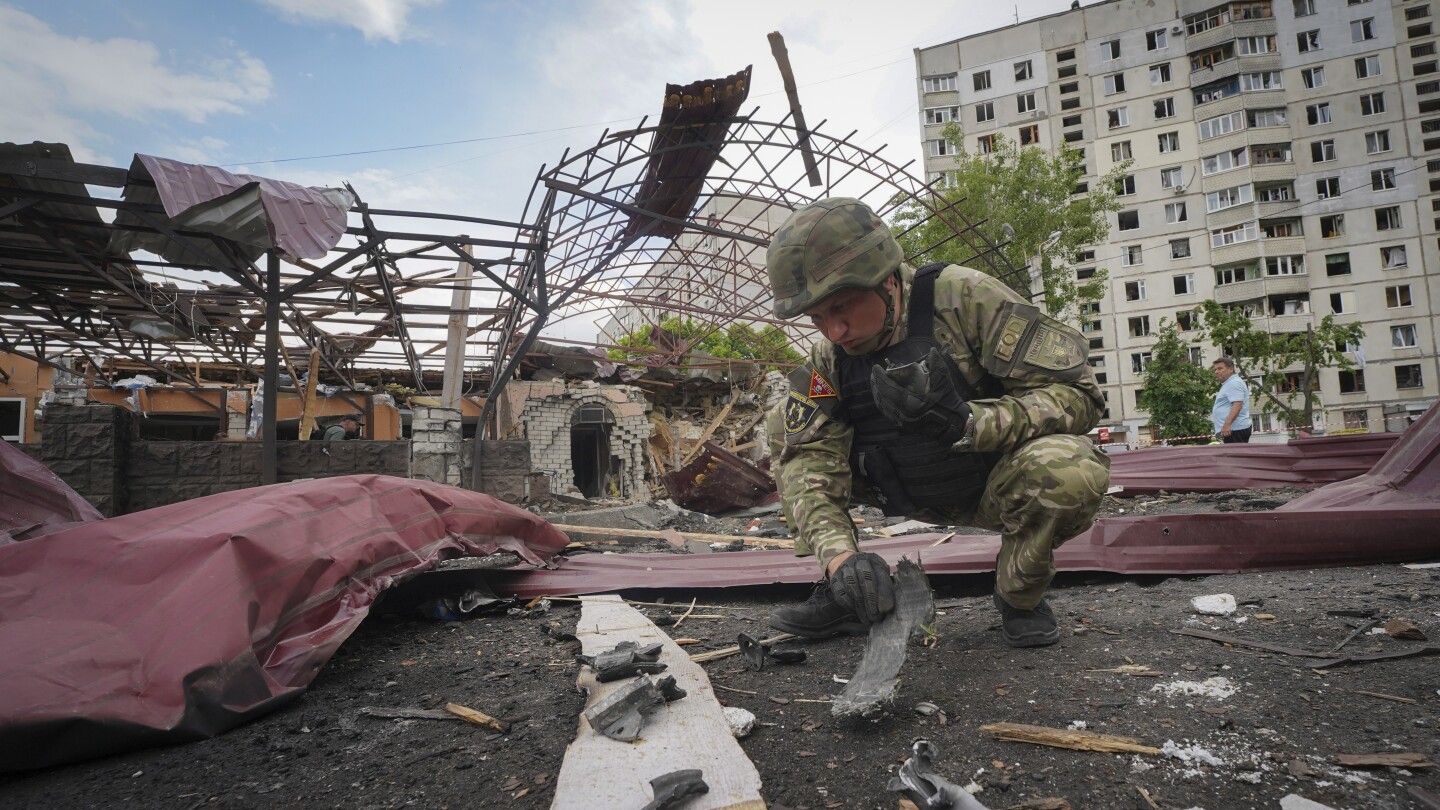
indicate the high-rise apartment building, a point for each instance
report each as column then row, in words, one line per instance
column 1285, row 161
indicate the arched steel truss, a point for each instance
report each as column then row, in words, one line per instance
column 597, row 255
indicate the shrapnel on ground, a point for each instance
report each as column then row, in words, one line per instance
column 1244, row 726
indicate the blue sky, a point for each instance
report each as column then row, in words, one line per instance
column 241, row 82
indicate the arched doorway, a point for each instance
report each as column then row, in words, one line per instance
column 590, row 428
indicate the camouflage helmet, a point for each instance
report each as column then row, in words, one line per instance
column 827, row 246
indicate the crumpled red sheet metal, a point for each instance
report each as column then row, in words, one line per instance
column 180, row 622
column 34, row 501
column 1387, row 515
column 1223, row 467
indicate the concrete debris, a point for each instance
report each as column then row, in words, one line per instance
column 1217, row 687
column 1219, row 604
column 1190, row 753
column 741, row 721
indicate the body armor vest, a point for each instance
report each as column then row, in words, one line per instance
column 907, row 471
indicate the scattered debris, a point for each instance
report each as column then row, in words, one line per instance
column 926, row 709
column 1395, row 760
column 1145, row 794
column 605, row 535
column 741, row 721
column 1277, row 648
column 725, row 652
column 674, row 788
column 1359, row 631
column 408, row 714
column 1135, row 670
column 1063, row 738
column 1190, row 753
column 1404, row 628
column 1383, row 696
column 875, row 681
column 733, row 689
column 920, row 783
column 626, row 660
column 1296, row 802
column 621, row 714
column 479, row 718
column 904, row 527
column 1428, row 800
column 1217, row 687
column 1219, row 604
column 1421, row 566
column 756, row 653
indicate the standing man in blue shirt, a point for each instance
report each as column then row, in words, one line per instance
column 1231, row 414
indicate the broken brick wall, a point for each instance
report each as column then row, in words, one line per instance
column 546, row 411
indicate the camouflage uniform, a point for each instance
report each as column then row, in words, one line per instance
column 1048, row 480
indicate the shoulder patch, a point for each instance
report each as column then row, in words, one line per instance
column 819, row 386
column 1052, row 350
column 800, row 412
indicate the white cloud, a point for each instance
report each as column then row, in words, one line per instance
column 376, row 19
column 55, row 84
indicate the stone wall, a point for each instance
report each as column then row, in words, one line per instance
column 160, row 473
column 93, row 449
column 86, row 446
column 548, row 414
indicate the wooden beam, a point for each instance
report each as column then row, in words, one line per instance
column 687, row 733
column 307, row 404
column 709, row 431
column 787, row 76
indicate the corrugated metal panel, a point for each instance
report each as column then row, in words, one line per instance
column 1387, row 515
column 1223, row 467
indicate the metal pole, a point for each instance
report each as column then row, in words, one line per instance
column 270, row 452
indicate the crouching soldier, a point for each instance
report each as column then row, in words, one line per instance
column 938, row 394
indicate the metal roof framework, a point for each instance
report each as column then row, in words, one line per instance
column 595, row 229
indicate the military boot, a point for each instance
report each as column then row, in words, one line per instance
column 1027, row 628
column 820, row 616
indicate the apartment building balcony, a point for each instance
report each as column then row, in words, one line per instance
column 1231, row 254
column 1249, row 175
column 1278, row 208
column 1274, row 172
column 1289, row 323
column 1283, row 246
column 1240, row 291
column 1229, row 217
column 1258, row 288
column 1286, row 285
column 1223, row 33
column 1219, row 70
column 1260, row 63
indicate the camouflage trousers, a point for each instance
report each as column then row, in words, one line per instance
column 1039, row 495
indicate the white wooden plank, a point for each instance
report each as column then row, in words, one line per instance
column 688, row 733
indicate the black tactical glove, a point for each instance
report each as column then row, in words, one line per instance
column 922, row 398
column 862, row 583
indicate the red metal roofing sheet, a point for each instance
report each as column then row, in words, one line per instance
column 1389, row 514
column 177, row 623
column 1223, row 467
column 34, row 501
column 301, row 221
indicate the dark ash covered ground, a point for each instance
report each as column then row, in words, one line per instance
column 1274, row 735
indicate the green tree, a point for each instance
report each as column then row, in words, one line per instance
column 769, row 346
column 1177, row 393
column 1269, row 358
column 1031, row 190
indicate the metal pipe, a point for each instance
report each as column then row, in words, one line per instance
column 269, row 449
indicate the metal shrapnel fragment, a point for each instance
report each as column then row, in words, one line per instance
column 625, row 661
column 621, row 714
column 876, row 681
column 920, row 783
column 674, row 788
